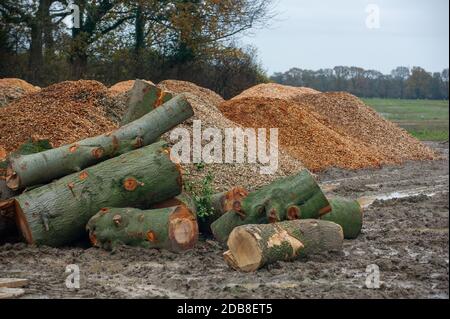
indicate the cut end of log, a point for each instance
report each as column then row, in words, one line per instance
column 293, row 213
column 22, row 223
column 233, row 199
column 244, row 254
column 183, row 229
column 12, row 179
column 160, row 100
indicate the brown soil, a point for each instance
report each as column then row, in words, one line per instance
column 406, row 238
column 62, row 113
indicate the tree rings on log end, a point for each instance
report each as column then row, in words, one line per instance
column 12, row 179
column 245, row 253
column 183, row 229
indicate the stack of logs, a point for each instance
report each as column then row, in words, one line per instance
column 123, row 189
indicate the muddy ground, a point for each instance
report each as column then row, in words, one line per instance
column 405, row 234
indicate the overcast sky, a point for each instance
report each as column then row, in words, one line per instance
column 324, row 33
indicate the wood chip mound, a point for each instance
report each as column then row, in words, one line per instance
column 349, row 116
column 274, row 90
column 123, row 87
column 62, row 113
column 12, row 89
column 325, row 130
column 205, row 103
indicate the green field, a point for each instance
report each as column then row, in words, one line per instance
column 425, row 119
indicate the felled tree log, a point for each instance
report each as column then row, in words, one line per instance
column 144, row 98
column 290, row 198
column 46, row 166
column 56, row 214
column 254, row 246
column 348, row 214
column 8, row 228
column 173, row 228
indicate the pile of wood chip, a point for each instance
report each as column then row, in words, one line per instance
column 12, row 89
column 325, row 130
column 122, row 87
column 274, row 90
column 349, row 116
column 205, row 103
column 62, row 113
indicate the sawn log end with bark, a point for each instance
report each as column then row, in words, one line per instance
column 173, row 228
column 254, row 246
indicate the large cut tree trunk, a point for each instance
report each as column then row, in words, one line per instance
column 173, row 228
column 254, row 246
column 144, row 98
column 56, row 214
column 348, row 214
column 46, row 166
column 294, row 197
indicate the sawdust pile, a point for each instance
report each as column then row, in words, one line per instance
column 205, row 103
column 329, row 130
column 348, row 115
column 274, row 90
column 62, row 113
column 12, row 89
column 123, row 87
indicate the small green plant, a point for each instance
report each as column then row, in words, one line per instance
column 202, row 194
column 199, row 166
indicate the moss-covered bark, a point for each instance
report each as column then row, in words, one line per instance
column 144, row 98
column 348, row 214
column 57, row 213
column 290, row 198
column 173, row 228
column 254, row 246
column 43, row 167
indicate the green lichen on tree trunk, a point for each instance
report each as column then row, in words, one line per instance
column 56, row 214
column 290, row 198
column 144, row 98
column 348, row 214
column 173, row 228
column 43, row 167
column 254, row 246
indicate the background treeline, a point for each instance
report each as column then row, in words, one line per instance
column 402, row 83
column 193, row 40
